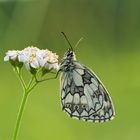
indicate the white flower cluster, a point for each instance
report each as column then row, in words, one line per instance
column 33, row 57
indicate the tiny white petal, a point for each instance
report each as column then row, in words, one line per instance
column 34, row 64
column 23, row 58
column 13, row 55
column 6, row 58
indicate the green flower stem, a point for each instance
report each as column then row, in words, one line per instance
column 24, row 100
column 31, row 81
column 32, row 88
column 27, row 90
column 18, row 71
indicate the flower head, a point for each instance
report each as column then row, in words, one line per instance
column 12, row 55
column 34, row 58
column 29, row 56
column 48, row 59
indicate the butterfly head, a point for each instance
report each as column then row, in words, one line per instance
column 69, row 55
column 67, row 61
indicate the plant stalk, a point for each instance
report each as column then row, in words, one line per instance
column 19, row 117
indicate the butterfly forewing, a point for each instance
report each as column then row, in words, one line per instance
column 84, row 97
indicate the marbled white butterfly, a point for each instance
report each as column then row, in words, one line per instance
column 83, row 96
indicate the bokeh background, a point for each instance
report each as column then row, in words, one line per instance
column 111, row 47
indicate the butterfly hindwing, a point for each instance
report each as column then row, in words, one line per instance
column 84, row 97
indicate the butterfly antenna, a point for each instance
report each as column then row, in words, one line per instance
column 79, row 42
column 67, row 40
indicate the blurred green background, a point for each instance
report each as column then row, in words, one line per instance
column 111, row 47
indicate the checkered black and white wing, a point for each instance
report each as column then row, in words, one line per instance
column 84, row 97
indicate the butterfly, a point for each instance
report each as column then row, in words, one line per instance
column 83, row 96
